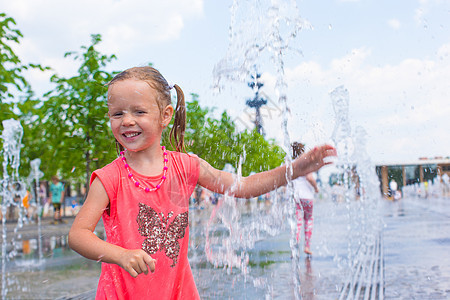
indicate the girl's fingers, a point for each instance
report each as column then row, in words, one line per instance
column 327, row 151
column 132, row 272
column 142, row 266
column 144, row 263
column 150, row 262
column 136, row 262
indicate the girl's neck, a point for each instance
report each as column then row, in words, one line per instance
column 148, row 162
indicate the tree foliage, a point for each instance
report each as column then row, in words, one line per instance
column 11, row 67
column 218, row 142
column 73, row 124
column 16, row 95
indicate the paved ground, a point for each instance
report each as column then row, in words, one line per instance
column 417, row 249
column 414, row 244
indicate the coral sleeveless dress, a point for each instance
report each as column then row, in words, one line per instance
column 156, row 222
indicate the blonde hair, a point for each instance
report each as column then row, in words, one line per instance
column 156, row 81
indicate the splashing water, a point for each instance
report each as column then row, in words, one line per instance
column 35, row 176
column 356, row 174
column 342, row 130
column 258, row 29
column 261, row 32
column 12, row 136
column 13, row 188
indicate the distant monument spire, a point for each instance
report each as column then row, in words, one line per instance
column 257, row 101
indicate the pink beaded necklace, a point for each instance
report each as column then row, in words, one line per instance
column 137, row 183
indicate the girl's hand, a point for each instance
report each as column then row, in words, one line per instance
column 313, row 160
column 136, row 262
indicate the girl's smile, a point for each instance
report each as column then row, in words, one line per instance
column 130, row 135
column 136, row 119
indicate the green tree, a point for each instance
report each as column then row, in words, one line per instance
column 218, row 142
column 15, row 91
column 12, row 80
column 228, row 146
column 73, row 124
column 11, row 68
column 260, row 154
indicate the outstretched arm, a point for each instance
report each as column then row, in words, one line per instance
column 83, row 240
column 261, row 183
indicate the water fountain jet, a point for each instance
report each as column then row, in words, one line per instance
column 11, row 187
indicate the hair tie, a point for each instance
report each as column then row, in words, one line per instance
column 171, row 85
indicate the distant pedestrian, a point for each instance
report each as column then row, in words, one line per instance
column 56, row 197
column 42, row 194
column 446, row 185
column 75, row 208
column 426, row 187
column 304, row 189
column 393, row 188
column 29, row 210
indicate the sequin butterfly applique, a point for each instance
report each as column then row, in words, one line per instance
column 161, row 236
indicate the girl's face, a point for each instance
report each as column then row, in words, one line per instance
column 136, row 120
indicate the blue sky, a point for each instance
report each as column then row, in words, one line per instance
column 392, row 56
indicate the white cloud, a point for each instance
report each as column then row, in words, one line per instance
column 394, row 23
column 418, row 15
column 53, row 27
column 425, row 9
column 443, row 52
column 392, row 101
column 348, row 63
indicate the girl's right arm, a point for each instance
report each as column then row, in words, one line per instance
column 83, row 240
column 260, row 183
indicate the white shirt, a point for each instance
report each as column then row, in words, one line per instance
column 393, row 185
column 303, row 189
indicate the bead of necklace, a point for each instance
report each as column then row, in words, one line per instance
column 137, row 183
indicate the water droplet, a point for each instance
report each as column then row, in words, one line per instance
column 330, row 26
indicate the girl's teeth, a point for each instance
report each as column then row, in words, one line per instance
column 131, row 134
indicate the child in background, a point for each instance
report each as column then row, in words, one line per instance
column 143, row 195
column 42, row 196
column 304, row 189
column 74, row 208
column 56, row 198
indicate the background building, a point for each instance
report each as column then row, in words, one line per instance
column 407, row 173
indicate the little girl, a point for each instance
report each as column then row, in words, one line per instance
column 143, row 195
column 304, row 189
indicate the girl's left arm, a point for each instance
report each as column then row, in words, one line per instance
column 312, row 181
column 246, row 187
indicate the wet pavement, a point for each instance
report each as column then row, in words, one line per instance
column 417, row 249
column 412, row 259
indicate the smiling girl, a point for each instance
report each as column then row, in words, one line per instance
column 143, row 195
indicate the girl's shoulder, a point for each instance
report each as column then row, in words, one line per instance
column 183, row 157
column 111, row 170
column 185, row 163
column 112, row 166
